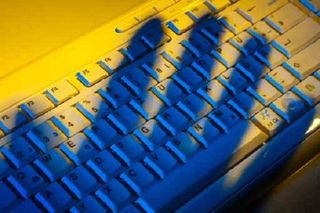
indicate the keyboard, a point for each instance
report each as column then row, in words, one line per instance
column 179, row 118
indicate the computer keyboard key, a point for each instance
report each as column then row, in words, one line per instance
column 308, row 90
column 226, row 54
column 177, row 55
column 125, row 119
column 61, row 91
column 88, row 204
column 289, row 106
column 263, row 32
column 312, row 5
column 216, row 6
column 252, row 68
column 54, row 198
column 204, row 131
column 245, row 42
column 129, row 149
column 194, row 106
column 161, row 162
column 208, row 67
column 91, row 75
column 264, row 91
column 285, row 18
column 8, row 197
column 5, row 168
column 297, row 38
column 27, row 181
column 70, row 121
column 305, row 62
column 168, row 91
column 180, row 23
column 138, row 177
column 269, row 121
column 233, row 80
column 11, row 119
column 46, row 136
column 37, row 105
column 199, row 12
column 270, row 56
column 197, row 44
column 105, row 165
column 282, row 79
column 215, row 32
column 184, row 146
column 234, row 22
column 152, row 37
column 115, row 195
column 19, row 151
column 152, row 134
column 54, row 164
column 214, row 93
column 189, row 79
column 135, row 49
column 113, row 61
column 102, row 133
column 93, row 107
column 26, row 205
column 174, row 120
column 78, row 148
column 80, row 181
column 116, row 94
column 224, row 117
column 246, row 105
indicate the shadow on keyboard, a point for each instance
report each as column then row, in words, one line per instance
column 187, row 145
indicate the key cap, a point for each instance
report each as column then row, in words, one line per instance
column 298, row 37
column 259, row 9
column 88, row 204
column 246, row 105
column 199, row 12
column 168, row 91
column 27, row 204
column 184, row 146
column 46, row 136
column 138, row 81
column 161, row 161
column 224, row 117
column 226, row 54
column 312, row 5
column 208, row 67
column 12, row 119
column 80, row 181
column 173, row 120
column 54, row 164
column 216, row 6
column 115, row 195
column 264, row 92
column 155, row 38
column 129, row 149
column 113, row 61
column 37, row 105
column 70, row 121
column 270, row 56
column 308, row 90
column 281, row 79
column 148, row 106
column 204, row 131
column 102, row 133
column 289, row 106
column 152, row 134
column 138, row 177
column 234, row 22
column 177, row 55
column 244, row 138
column 245, row 43
column 116, row 94
column 188, row 79
column 105, row 165
column 125, row 119
column 4, row 166
column 78, row 148
column 134, row 50
column 263, row 32
column 91, row 75
column 215, row 32
column 285, row 18
column 19, row 152
column 26, row 181
column 317, row 74
column 305, row 62
column 269, row 121
column 194, row 106
column 233, row 80
column 54, row 198
column 214, row 93
column 180, row 23
column 8, row 196
column 60, row 92
column 160, row 69
column 93, row 107
column 197, row 44
column 252, row 68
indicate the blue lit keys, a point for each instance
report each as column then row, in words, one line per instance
column 80, row 181
column 88, row 204
column 208, row 67
column 27, row 181
column 70, row 121
column 252, row 68
column 189, row 79
column 224, row 117
column 92, row 75
column 11, row 119
column 37, row 105
column 197, row 44
column 61, row 91
column 233, row 80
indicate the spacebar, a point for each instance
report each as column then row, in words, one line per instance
column 187, row 180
